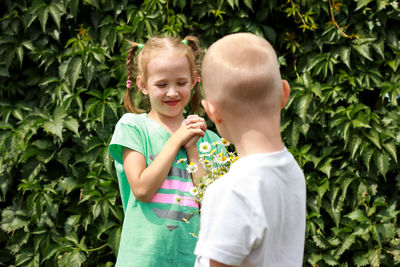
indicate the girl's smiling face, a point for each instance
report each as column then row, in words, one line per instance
column 169, row 83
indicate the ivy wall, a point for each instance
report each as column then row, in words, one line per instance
column 62, row 78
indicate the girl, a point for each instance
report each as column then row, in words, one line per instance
column 147, row 147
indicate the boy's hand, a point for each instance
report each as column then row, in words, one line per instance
column 194, row 122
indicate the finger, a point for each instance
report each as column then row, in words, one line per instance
column 195, row 125
column 194, row 118
column 195, row 131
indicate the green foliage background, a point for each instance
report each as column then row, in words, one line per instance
column 62, row 77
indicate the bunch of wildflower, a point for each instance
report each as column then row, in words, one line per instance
column 215, row 160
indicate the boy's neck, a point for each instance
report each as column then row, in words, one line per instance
column 257, row 143
column 255, row 137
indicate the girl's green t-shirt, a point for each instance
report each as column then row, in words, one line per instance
column 157, row 233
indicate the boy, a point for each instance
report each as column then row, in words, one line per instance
column 255, row 214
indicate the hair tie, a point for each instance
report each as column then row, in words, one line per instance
column 140, row 46
column 128, row 84
column 185, row 42
column 199, row 79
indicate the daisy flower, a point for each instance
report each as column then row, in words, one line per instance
column 225, row 142
column 194, row 191
column 193, row 234
column 181, row 160
column 205, row 147
column 177, row 199
column 192, row 167
column 221, row 159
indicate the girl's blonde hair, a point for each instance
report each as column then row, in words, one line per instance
column 190, row 47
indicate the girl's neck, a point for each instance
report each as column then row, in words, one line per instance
column 171, row 124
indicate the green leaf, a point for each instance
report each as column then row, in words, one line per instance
column 364, row 50
column 23, row 257
column 374, row 257
column 382, row 4
column 68, row 184
column 354, row 144
column 5, row 126
column 20, row 54
column 320, row 241
column 65, row 155
column 11, row 221
column 302, row 105
column 74, row 70
column 361, row 121
column 373, row 136
column 344, row 54
column 49, row 251
column 55, row 14
column 56, row 124
column 382, row 161
column 248, row 3
column 330, row 260
column 114, row 239
column 380, row 48
column 391, row 148
column 43, row 15
column 71, row 223
column 357, row 215
column 4, row 71
column 43, row 144
column 361, row 260
column 345, row 245
column 72, row 124
column 326, row 167
column 362, row 3
column 314, row 259
column 366, row 156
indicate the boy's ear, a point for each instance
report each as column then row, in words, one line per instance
column 286, row 93
column 141, row 85
column 211, row 111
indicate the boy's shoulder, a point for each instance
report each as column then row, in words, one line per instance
column 260, row 171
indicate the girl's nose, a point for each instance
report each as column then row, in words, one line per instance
column 172, row 91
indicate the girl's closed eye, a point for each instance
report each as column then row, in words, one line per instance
column 182, row 83
column 161, row 85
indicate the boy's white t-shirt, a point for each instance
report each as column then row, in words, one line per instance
column 255, row 215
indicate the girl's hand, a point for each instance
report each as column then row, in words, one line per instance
column 191, row 128
column 194, row 122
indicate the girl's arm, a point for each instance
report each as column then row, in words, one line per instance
column 145, row 181
column 218, row 264
column 192, row 150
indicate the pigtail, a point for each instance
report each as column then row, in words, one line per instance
column 194, row 44
column 128, row 103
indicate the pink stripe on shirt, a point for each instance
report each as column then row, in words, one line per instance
column 171, row 199
column 176, row 184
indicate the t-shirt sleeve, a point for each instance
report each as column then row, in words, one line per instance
column 228, row 227
column 212, row 138
column 126, row 135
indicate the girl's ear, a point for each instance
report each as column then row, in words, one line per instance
column 141, row 84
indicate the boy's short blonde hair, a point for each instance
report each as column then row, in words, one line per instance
column 241, row 74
